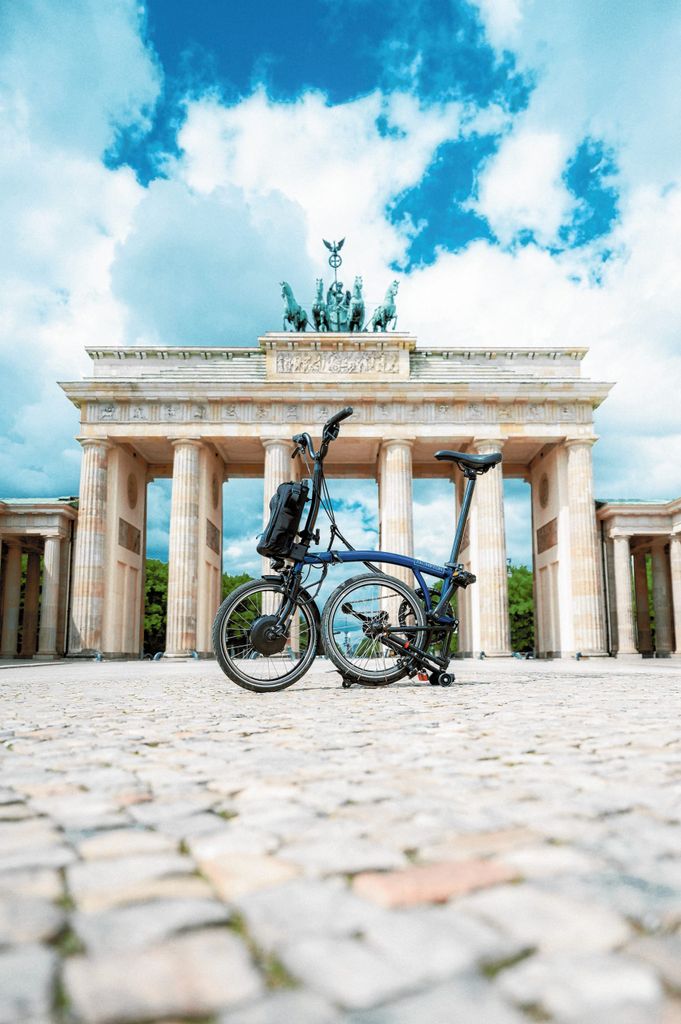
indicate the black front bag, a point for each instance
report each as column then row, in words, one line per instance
column 286, row 509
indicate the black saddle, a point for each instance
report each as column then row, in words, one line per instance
column 476, row 463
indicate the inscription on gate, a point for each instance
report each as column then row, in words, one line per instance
column 129, row 536
column 337, row 362
column 547, row 536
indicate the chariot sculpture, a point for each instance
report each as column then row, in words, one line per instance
column 340, row 309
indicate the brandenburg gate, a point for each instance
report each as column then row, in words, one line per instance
column 205, row 415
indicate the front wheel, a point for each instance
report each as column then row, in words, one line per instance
column 363, row 619
column 248, row 649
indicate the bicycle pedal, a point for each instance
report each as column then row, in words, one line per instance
column 423, row 676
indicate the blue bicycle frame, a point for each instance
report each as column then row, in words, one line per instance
column 452, row 573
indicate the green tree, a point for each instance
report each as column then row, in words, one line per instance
column 521, row 607
column 155, row 604
column 230, row 583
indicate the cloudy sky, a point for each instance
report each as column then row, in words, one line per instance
column 516, row 162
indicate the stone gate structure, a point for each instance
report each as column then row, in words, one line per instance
column 204, row 415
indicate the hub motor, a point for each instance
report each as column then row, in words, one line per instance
column 265, row 638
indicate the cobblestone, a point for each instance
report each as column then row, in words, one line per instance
column 172, row 846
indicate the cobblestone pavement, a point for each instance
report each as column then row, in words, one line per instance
column 503, row 851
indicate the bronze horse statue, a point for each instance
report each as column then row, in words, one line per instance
column 386, row 313
column 356, row 320
column 294, row 314
column 319, row 314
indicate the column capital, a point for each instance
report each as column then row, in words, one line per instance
column 659, row 542
column 95, row 442
column 387, row 441
column 13, row 542
column 269, row 442
column 191, row 442
column 574, row 442
column 493, row 444
column 619, row 534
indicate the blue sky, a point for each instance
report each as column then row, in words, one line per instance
column 517, row 163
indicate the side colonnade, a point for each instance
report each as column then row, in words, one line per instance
column 641, row 547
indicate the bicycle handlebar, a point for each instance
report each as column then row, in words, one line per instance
column 329, row 433
column 339, row 417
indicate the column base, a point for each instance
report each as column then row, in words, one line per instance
column 663, row 654
column 45, row 657
column 628, row 656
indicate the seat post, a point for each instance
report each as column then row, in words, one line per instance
column 463, row 516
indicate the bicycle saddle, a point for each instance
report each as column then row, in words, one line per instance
column 479, row 463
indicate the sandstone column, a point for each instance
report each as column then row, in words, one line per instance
column 11, row 600
column 645, row 637
column 626, row 645
column 279, row 467
column 31, row 605
column 49, row 605
column 675, row 563
column 492, row 572
column 661, row 601
column 395, row 503
column 589, row 633
column 183, row 549
column 87, row 607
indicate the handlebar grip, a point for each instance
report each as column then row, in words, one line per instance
column 339, row 417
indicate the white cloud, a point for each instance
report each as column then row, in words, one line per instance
column 501, row 19
column 63, row 212
column 521, row 186
column 332, row 161
column 74, row 72
column 608, row 69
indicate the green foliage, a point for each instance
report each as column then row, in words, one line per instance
column 521, row 607
column 230, row 583
column 156, row 602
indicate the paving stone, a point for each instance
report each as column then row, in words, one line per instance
column 182, row 829
column 26, row 984
column 232, row 839
column 293, row 1007
column 548, row 860
column 120, row 872
column 234, row 874
column 27, row 835
column 48, row 856
column 468, row 1000
column 663, row 952
column 345, row 971
column 430, row 883
column 140, row 925
column 548, row 921
column 42, row 883
column 477, row 844
column 15, row 812
column 162, row 810
column 191, row 976
column 28, row 919
column 597, row 987
column 349, row 856
column 303, row 908
column 124, row 842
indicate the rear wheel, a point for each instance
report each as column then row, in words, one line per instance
column 360, row 619
column 246, row 643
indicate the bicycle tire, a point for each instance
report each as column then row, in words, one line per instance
column 236, row 667
column 354, row 671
